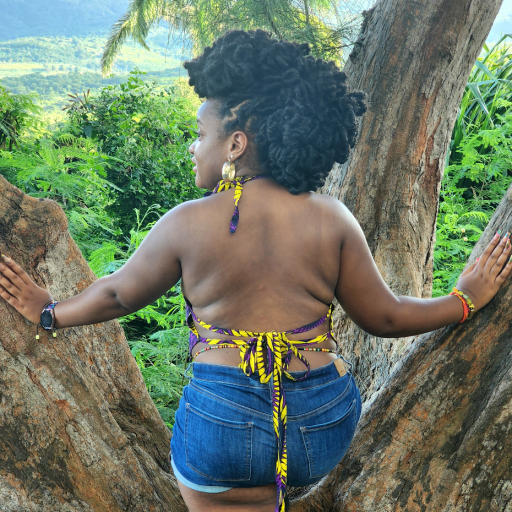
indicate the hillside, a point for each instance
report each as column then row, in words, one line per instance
column 51, row 54
column 29, row 18
column 55, row 66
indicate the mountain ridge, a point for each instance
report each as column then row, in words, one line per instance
column 50, row 18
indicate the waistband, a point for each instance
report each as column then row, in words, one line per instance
column 235, row 375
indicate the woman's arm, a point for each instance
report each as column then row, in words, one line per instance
column 152, row 270
column 370, row 303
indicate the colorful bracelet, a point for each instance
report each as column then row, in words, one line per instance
column 464, row 307
column 467, row 304
column 213, row 348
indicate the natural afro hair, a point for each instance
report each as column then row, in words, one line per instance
column 297, row 107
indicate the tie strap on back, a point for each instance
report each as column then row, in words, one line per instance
column 238, row 185
column 279, row 351
column 276, row 345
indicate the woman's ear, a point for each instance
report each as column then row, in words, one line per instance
column 238, row 144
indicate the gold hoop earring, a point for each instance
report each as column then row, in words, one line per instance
column 228, row 170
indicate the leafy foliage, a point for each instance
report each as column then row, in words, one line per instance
column 70, row 171
column 470, row 192
column 327, row 25
column 487, row 92
column 479, row 163
column 146, row 130
column 18, row 114
column 54, row 87
column 161, row 360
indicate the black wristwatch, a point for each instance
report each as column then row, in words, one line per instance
column 47, row 319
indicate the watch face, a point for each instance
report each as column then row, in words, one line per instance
column 46, row 319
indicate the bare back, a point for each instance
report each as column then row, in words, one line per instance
column 277, row 272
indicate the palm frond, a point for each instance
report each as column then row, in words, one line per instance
column 131, row 24
column 139, row 19
column 327, row 25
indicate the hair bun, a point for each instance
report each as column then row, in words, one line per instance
column 297, row 106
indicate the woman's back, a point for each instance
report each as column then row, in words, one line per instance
column 278, row 271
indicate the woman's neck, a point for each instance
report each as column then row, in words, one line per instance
column 248, row 171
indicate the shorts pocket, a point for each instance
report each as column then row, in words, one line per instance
column 327, row 443
column 216, row 448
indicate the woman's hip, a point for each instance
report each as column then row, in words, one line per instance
column 224, row 433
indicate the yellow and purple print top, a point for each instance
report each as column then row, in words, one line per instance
column 279, row 350
column 276, row 345
column 238, row 185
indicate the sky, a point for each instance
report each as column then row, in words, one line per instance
column 503, row 22
column 506, row 8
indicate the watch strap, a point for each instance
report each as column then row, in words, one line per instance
column 47, row 319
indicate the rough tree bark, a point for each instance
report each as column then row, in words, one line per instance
column 78, row 430
column 412, row 59
column 436, row 437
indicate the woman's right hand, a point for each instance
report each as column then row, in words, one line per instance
column 20, row 291
column 482, row 280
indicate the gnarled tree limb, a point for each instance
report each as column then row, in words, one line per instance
column 78, row 430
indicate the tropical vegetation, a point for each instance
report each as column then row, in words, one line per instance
column 119, row 160
column 479, row 162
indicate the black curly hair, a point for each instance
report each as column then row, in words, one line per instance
column 297, row 107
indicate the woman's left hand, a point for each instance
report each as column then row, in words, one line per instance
column 20, row 291
column 482, row 280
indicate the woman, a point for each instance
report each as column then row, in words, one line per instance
column 263, row 252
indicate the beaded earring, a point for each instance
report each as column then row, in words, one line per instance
column 228, row 170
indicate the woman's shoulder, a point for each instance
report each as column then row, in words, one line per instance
column 189, row 208
column 329, row 205
column 192, row 214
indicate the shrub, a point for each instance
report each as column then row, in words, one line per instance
column 470, row 192
column 488, row 89
column 146, row 130
column 18, row 114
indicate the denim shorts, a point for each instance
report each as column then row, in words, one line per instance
column 223, row 436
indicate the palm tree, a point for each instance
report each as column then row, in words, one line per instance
column 328, row 26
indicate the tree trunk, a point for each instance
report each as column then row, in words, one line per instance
column 437, row 436
column 412, row 59
column 78, row 430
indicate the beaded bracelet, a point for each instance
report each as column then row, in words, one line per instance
column 235, row 346
column 465, row 307
column 467, row 304
column 318, row 350
column 212, row 348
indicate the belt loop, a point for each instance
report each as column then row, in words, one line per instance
column 348, row 362
column 186, row 370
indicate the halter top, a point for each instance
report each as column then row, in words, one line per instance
column 276, row 345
